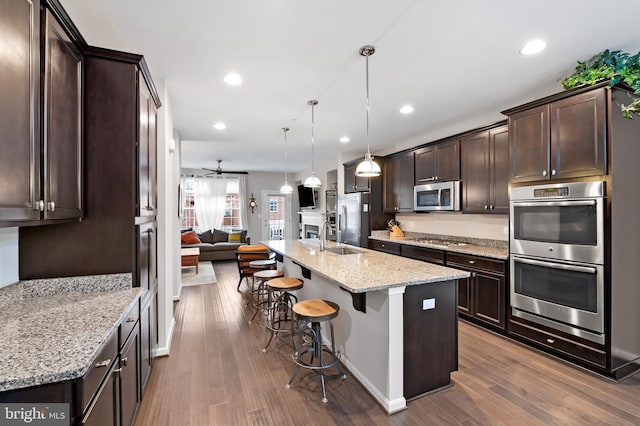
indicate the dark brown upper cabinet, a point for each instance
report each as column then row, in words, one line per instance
column 559, row 140
column 20, row 112
column 40, row 148
column 485, row 171
column 62, row 128
column 398, row 183
column 353, row 183
column 147, row 191
column 438, row 162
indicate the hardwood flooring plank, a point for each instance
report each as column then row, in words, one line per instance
column 217, row 374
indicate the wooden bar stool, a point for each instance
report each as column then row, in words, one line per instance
column 310, row 348
column 257, row 266
column 261, row 294
column 280, row 314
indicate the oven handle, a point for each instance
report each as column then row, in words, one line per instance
column 585, row 269
column 556, row 203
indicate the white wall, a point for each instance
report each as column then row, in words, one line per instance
column 493, row 227
column 8, row 256
column 168, row 169
column 256, row 183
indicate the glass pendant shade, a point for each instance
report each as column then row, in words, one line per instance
column 286, row 188
column 368, row 167
column 312, row 181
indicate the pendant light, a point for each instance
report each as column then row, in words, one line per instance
column 286, row 188
column 368, row 167
column 312, row 181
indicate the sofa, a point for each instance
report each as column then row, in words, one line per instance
column 215, row 244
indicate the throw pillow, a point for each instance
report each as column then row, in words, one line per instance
column 235, row 236
column 220, row 236
column 189, row 238
column 206, row 237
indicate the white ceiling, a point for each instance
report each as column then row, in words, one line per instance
column 456, row 62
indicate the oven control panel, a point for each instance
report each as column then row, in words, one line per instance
column 551, row 192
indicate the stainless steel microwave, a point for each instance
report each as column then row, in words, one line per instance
column 441, row 196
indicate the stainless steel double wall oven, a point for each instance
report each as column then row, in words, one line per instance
column 557, row 256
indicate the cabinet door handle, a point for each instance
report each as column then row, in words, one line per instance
column 124, row 361
column 490, row 206
column 51, row 206
column 551, row 341
column 544, row 173
column 553, row 172
column 472, row 262
column 427, row 179
column 131, row 320
column 381, row 245
column 39, row 205
column 104, row 363
column 486, row 207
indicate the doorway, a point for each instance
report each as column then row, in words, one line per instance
column 276, row 216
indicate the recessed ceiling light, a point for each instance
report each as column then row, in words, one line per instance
column 344, row 139
column 406, row 109
column 220, row 125
column 233, row 79
column 533, row 46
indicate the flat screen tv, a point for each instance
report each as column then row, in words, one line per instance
column 306, row 196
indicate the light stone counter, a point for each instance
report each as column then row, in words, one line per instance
column 486, row 248
column 367, row 271
column 52, row 330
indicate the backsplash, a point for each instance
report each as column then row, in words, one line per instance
column 492, row 227
column 8, row 256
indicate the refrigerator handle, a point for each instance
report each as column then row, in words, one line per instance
column 343, row 219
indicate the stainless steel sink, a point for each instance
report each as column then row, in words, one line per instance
column 343, row 250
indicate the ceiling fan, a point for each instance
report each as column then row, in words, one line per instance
column 218, row 171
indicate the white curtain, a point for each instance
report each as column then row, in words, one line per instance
column 244, row 202
column 209, row 197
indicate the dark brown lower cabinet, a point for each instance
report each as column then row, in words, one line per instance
column 483, row 296
column 430, row 337
column 148, row 336
column 104, row 408
column 384, row 246
column 130, row 378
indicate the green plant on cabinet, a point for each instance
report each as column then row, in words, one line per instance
column 617, row 66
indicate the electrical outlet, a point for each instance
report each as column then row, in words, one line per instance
column 505, row 230
column 428, row 304
column 409, row 224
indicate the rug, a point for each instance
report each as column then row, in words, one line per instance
column 205, row 275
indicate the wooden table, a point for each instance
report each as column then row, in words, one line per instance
column 189, row 257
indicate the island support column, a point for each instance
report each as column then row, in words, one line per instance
column 396, row 401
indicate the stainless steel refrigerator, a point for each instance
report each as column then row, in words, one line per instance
column 353, row 219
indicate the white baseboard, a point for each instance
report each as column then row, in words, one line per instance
column 177, row 298
column 390, row 406
column 164, row 351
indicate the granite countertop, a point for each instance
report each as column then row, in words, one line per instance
column 52, row 330
column 368, row 270
column 474, row 246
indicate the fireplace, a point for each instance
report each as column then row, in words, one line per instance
column 311, row 231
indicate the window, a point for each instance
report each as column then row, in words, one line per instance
column 273, row 206
column 189, row 219
column 232, row 206
column 231, row 219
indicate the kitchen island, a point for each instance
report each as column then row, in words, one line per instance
column 397, row 326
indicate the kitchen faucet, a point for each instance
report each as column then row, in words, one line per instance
column 324, row 228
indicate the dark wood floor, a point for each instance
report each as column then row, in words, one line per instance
column 218, row 375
